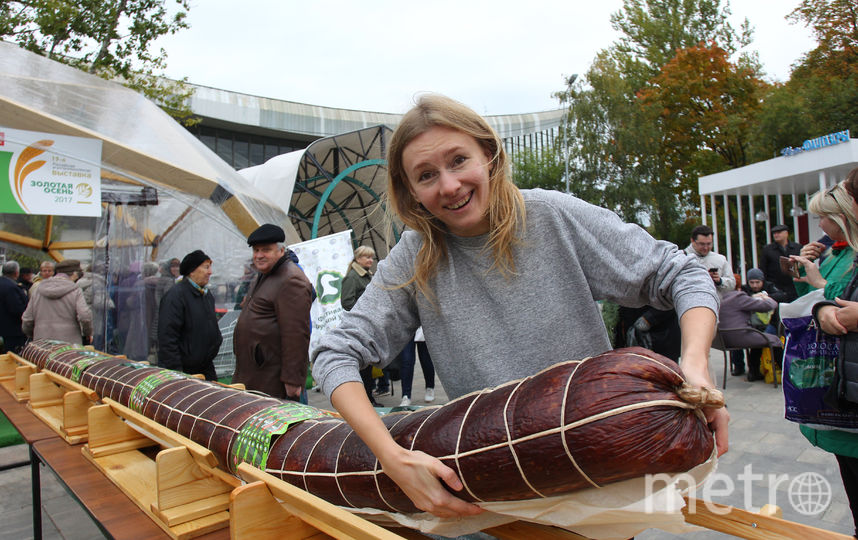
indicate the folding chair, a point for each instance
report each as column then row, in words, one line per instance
column 739, row 339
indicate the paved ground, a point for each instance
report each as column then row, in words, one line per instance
column 759, row 438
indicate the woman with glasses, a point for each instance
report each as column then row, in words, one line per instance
column 838, row 315
column 829, row 268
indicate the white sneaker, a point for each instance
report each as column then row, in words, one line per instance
column 406, row 401
column 430, row 395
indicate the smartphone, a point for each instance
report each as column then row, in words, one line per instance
column 789, row 267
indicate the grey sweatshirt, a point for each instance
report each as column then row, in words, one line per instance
column 484, row 329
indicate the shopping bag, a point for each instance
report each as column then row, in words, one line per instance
column 767, row 368
column 808, row 369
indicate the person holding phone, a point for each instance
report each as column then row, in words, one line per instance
column 771, row 260
column 718, row 266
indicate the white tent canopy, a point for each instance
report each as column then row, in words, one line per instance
column 141, row 143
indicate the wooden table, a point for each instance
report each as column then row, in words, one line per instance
column 113, row 512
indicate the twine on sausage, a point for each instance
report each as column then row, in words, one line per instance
column 699, row 396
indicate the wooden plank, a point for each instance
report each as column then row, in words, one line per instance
column 745, row 524
column 134, row 474
column 71, row 385
column 254, row 513
column 105, row 428
column 317, row 512
column 43, row 391
column 7, row 366
column 120, row 447
column 181, row 481
column 193, row 510
column 22, row 382
column 75, row 407
column 199, row 451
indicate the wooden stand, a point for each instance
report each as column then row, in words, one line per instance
column 15, row 375
column 768, row 524
column 62, row 404
column 182, row 489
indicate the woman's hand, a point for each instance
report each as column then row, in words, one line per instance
column 417, row 474
column 698, row 329
column 812, row 251
column 847, row 315
column 716, row 418
column 827, row 317
column 811, row 272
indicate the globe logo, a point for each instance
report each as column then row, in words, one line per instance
column 809, row 493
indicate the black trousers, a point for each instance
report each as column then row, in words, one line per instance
column 849, row 474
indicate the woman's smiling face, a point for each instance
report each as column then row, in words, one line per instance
column 448, row 173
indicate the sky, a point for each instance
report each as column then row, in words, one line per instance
column 498, row 57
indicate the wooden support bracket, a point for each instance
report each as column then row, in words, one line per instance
column 62, row 404
column 186, row 490
column 765, row 525
column 15, row 375
column 109, row 434
column 22, row 382
column 252, row 510
column 180, row 489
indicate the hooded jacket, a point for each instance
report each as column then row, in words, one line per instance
column 57, row 310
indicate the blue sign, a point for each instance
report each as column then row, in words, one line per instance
column 820, row 142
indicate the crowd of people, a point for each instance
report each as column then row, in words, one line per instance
column 466, row 284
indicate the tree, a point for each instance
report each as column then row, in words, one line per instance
column 619, row 150
column 113, row 39
column 539, row 169
column 705, row 104
column 822, row 94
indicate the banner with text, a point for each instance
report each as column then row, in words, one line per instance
column 44, row 173
column 325, row 261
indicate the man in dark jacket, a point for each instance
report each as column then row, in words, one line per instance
column 771, row 264
column 13, row 302
column 188, row 334
column 272, row 335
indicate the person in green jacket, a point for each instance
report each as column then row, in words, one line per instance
column 838, row 220
column 831, row 268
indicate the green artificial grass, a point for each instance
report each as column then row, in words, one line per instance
column 8, row 434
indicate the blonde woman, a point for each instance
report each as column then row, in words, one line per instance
column 838, row 221
column 504, row 283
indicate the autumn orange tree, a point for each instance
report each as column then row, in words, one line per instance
column 620, row 155
column 705, row 107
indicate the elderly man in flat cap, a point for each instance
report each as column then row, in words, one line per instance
column 188, row 335
column 272, row 335
column 57, row 309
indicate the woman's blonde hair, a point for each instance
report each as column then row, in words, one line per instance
column 835, row 203
column 362, row 251
column 506, row 212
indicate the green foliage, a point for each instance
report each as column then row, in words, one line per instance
column 610, row 316
column 637, row 120
column 822, row 93
column 538, row 169
column 113, row 39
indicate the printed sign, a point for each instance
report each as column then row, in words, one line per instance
column 325, row 262
column 43, row 173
